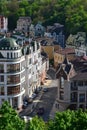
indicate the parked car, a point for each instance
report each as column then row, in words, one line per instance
column 25, row 104
column 33, row 95
column 45, row 89
column 38, row 90
column 40, row 111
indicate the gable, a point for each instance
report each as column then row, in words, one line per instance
column 61, row 73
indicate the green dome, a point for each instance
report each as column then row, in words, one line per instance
column 8, row 44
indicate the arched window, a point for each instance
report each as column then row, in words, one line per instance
column 62, row 82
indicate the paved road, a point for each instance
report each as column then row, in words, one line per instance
column 46, row 99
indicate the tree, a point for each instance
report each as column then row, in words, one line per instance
column 69, row 120
column 36, row 124
column 9, row 119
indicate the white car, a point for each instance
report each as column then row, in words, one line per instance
column 26, row 118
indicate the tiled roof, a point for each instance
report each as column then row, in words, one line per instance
column 80, row 76
column 66, row 51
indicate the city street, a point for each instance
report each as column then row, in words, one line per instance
column 45, row 99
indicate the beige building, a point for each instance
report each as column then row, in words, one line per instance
column 72, row 84
column 60, row 54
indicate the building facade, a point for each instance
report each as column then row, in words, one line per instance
column 72, row 84
column 12, row 69
column 20, row 71
column 23, row 24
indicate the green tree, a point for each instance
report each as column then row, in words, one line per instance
column 69, row 120
column 9, row 119
column 37, row 124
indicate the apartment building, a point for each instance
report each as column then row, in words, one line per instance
column 72, row 84
column 20, row 71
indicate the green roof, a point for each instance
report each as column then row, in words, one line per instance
column 8, row 44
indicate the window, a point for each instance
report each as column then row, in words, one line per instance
column 74, row 97
column 1, row 78
column 61, row 82
column 1, row 90
column 74, row 83
column 80, row 83
column 13, row 79
column 61, row 95
column 82, row 97
column 11, row 54
column 13, row 67
column 1, row 68
column 13, row 90
column 73, row 87
column 85, row 83
column 7, row 55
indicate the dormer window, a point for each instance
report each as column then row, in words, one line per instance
column 7, row 55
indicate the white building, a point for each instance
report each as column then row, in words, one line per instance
column 20, row 71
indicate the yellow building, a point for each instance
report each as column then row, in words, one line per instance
column 49, row 49
column 60, row 55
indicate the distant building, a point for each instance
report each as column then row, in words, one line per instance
column 57, row 32
column 78, row 42
column 23, row 24
column 60, row 54
column 39, row 30
column 3, row 24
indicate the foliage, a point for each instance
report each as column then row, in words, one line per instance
column 36, row 124
column 71, row 13
column 9, row 119
column 69, row 120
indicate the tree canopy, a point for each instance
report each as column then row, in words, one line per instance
column 66, row 120
column 9, row 119
column 71, row 13
column 69, row 120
